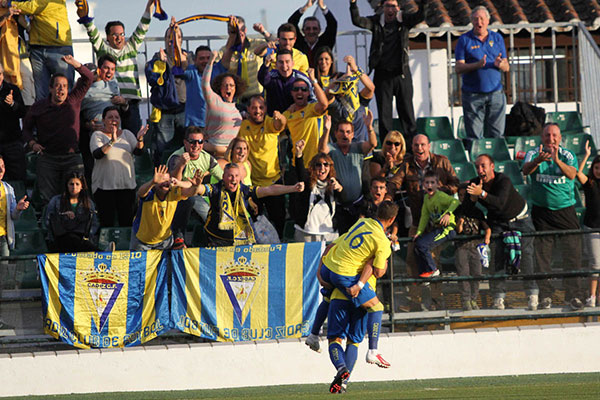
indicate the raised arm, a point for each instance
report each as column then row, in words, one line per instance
column 531, row 165
column 357, row 20
column 580, row 175
column 324, row 140
column 369, row 145
column 322, row 101
column 276, row 190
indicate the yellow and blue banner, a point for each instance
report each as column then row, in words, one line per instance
column 105, row 299
column 245, row 293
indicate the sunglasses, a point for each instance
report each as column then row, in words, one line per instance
column 193, row 142
column 390, row 143
column 300, row 88
column 117, row 34
column 321, row 164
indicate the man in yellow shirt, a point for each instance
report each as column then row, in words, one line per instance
column 158, row 200
column 286, row 39
column 262, row 134
column 304, row 119
column 49, row 41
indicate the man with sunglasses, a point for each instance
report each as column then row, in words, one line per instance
column 183, row 165
column 304, row 118
column 125, row 52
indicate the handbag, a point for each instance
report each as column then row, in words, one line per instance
column 264, row 231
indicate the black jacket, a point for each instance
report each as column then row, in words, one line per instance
column 327, row 38
column 373, row 23
column 10, row 127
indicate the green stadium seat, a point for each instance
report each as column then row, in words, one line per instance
column 143, row 163
column 510, row 169
column 120, row 235
column 525, row 191
column 580, row 214
column 525, row 143
column 288, row 231
column 495, row 147
column 465, row 171
column 461, row 133
column 31, row 172
column 568, row 121
column 29, row 243
column 578, row 200
column 27, row 220
column 576, row 143
column 451, row 148
column 436, row 128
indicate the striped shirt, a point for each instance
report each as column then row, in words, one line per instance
column 127, row 69
column 223, row 120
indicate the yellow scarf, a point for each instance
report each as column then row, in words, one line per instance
column 235, row 217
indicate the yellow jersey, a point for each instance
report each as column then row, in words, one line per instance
column 263, row 154
column 306, row 124
column 300, row 61
column 152, row 223
column 366, row 239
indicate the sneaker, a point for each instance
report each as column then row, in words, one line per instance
column 375, row 358
column 111, row 247
column 429, row 274
column 467, row 306
column 576, row 304
column 498, row 303
column 590, row 301
column 178, row 244
column 546, row 303
column 344, row 386
column 312, row 341
column 340, row 377
column 474, row 305
column 532, row 302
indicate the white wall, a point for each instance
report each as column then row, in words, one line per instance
column 420, row 355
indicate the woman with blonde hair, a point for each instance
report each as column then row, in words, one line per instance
column 385, row 162
column 315, row 207
column 237, row 153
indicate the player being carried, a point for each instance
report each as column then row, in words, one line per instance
column 347, row 265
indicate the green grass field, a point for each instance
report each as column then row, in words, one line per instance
column 559, row 386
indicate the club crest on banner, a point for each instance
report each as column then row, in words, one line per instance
column 242, row 280
column 103, row 287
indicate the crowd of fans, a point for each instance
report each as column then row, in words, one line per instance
column 270, row 128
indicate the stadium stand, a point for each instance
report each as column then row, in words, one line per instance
column 436, row 128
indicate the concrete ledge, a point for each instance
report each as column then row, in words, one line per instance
column 208, row 366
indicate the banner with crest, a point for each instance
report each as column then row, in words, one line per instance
column 104, row 299
column 246, row 293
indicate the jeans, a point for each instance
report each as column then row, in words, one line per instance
column 51, row 171
column 131, row 119
column 468, row 264
column 136, row 245
column 497, row 259
column 484, row 115
column 387, row 86
column 170, row 126
column 424, row 246
column 45, row 62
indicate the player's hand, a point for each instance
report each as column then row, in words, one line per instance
column 270, row 57
column 198, row 177
column 299, row 147
column 185, row 158
column 23, row 204
column 389, row 160
column 9, row 99
column 445, row 220
column 322, row 5
column 69, row 59
column 482, row 62
column 543, row 155
column 161, row 174
column 588, row 148
column 114, row 133
column 258, row 27
column 335, row 185
column 142, row 132
column 299, row 187
column 327, row 122
column 351, row 63
column 475, row 189
column 213, row 56
column 353, row 290
column 150, row 6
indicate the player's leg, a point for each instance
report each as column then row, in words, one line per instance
column 338, row 317
column 374, row 316
column 312, row 340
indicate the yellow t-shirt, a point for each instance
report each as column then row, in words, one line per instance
column 3, row 210
column 263, row 140
column 306, row 124
column 366, row 239
column 50, row 23
column 152, row 223
column 300, row 61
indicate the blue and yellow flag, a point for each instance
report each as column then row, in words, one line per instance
column 242, row 293
column 104, row 299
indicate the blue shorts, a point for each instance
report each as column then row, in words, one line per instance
column 342, row 282
column 346, row 321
